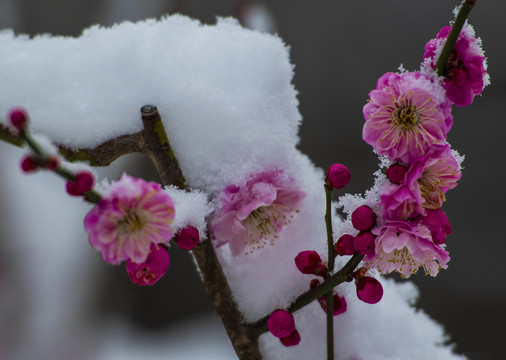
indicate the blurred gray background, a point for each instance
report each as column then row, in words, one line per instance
column 339, row 49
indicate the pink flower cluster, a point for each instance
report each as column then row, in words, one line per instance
column 252, row 214
column 407, row 119
column 465, row 74
column 133, row 223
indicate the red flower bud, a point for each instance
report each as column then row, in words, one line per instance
column 364, row 243
column 18, row 118
column 309, row 262
column 369, row 290
column 340, row 304
column 187, row 238
column 292, row 339
column 281, row 323
column 396, row 173
column 83, row 183
column 363, row 218
column 29, row 164
column 344, row 245
column 338, row 176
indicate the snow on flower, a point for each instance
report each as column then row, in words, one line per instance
column 404, row 247
column 406, row 116
column 465, row 74
column 424, row 186
column 252, row 214
column 131, row 217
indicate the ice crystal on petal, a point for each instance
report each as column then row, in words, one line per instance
column 405, row 247
column 131, row 217
column 252, row 214
column 406, row 116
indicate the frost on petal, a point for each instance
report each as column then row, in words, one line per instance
column 251, row 215
column 132, row 216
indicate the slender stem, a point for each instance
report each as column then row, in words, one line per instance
column 330, row 295
column 32, row 143
column 92, row 196
column 328, row 223
column 465, row 9
column 7, row 135
column 343, row 275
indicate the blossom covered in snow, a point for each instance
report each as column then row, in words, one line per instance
column 406, row 116
column 465, row 74
column 424, row 186
column 252, row 214
column 152, row 269
column 131, row 217
column 404, row 247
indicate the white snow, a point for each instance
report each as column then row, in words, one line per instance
column 229, row 108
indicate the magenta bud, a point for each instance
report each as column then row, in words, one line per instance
column 18, row 118
column 338, row 176
column 83, row 183
column 29, row 164
column 314, row 283
column 340, row 304
column 52, row 162
column 150, row 271
column 396, row 173
column 281, row 323
column 187, row 238
column 292, row 339
column 363, row 218
column 344, row 245
column 369, row 290
column 364, row 243
column 309, row 262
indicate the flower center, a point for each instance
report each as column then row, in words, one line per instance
column 430, row 190
column 132, row 222
column 405, row 117
column 265, row 223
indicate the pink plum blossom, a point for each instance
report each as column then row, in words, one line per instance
column 406, row 116
column 424, row 186
column 132, row 216
column 404, row 247
column 465, row 74
column 253, row 213
column 152, row 269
